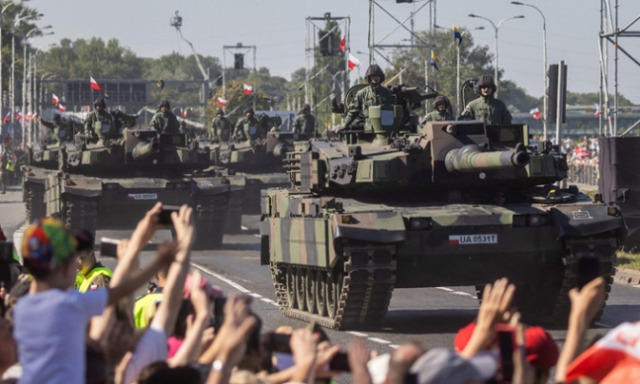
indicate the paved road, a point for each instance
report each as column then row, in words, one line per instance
column 429, row 315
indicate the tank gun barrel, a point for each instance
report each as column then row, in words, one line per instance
column 144, row 149
column 471, row 158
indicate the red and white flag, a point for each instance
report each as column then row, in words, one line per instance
column 55, row 100
column 222, row 102
column 343, row 43
column 613, row 359
column 62, row 108
column 248, row 90
column 597, row 112
column 94, row 84
column 6, row 118
column 535, row 112
column 17, row 116
column 353, row 62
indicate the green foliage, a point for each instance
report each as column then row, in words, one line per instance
column 237, row 101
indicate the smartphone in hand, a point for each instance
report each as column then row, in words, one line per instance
column 164, row 217
column 588, row 269
column 109, row 247
column 506, row 342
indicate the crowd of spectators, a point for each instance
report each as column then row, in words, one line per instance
column 53, row 333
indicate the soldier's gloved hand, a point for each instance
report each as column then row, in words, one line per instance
column 332, row 96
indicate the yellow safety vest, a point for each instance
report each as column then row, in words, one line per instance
column 84, row 282
column 144, row 308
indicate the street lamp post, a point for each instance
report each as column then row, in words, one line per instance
column 458, row 109
column 545, row 95
column 496, row 28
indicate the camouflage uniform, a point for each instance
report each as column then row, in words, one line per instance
column 247, row 128
column 165, row 122
column 305, row 122
column 438, row 115
column 220, row 129
column 370, row 96
column 487, row 108
column 99, row 124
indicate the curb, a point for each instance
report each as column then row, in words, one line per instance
column 627, row 276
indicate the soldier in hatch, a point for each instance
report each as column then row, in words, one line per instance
column 372, row 95
column 442, row 113
column 99, row 124
column 220, row 128
column 305, row 122
column 486, row 107
column 247, row 128
column 62, row 130
column 164, row 121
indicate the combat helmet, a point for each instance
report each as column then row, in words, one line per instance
column 249, row 110
column 439, row 100
column 165, row 103
column 486, row 81
column 100, row 102
column 305, row 107
column 374, row 70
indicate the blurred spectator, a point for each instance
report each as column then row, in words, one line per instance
column 91, row 273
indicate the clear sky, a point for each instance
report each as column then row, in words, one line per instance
column 278, row 27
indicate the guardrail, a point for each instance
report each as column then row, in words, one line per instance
column 583, row 174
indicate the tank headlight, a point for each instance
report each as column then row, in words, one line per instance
column 419, row 223
column 347, row 219
column 612, row 211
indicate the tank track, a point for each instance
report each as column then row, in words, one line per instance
column 34, row 201
column 354, row 294
column 81, row 213
column 604, row 249
column 234, row 213
column 211, row 215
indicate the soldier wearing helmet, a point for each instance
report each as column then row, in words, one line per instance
column 247, row 128
column 99, row 124
column 164, row 121
column 372, row 95
column 220, row 128
column 442, row 110
column 305, row 122
column 486, row 107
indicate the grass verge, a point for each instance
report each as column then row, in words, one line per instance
column 629, row 260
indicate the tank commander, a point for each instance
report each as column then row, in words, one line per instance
column 164, row 121
column 372, row 95
column 442, row 112
column 487, row 108
column 99, row 124
column 220, row 128
column 305, row 122
column 247, row 127
column 61, row 129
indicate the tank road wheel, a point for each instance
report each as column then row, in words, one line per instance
column 291, row 286
column 211, row 214
column 299, row 286
column 310, row 290
column 80, row 213
column 320, row 290
column 333, row 287
column 33, row 196
column 234, row 213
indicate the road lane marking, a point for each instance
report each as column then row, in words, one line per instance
column 220, row 277
column 380, row 341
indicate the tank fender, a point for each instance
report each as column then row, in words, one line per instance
column 586, row 220
column 83, row 191
column 376, row 227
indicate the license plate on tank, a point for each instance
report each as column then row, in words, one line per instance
column 473, row 239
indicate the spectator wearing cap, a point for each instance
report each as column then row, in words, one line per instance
column 164, row 121
column 541, row 349
column 92, row 274
column 51, row 321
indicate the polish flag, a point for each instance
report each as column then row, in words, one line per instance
column 248, row 90
column 94, row 84
column 6, row 118
column 62, row 108
column 535, row 112
column 55, row 100
column 353, row 62
column 613, row 359
column 222, row 102
column 343, row 43
column 597, row 112
column 17, row 116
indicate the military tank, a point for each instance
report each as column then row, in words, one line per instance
column 259, row 161
column 111, row 185
column 451, row 203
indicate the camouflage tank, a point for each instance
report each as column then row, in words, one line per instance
column 451, row 203
column 111, row 185
column 258, row 161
